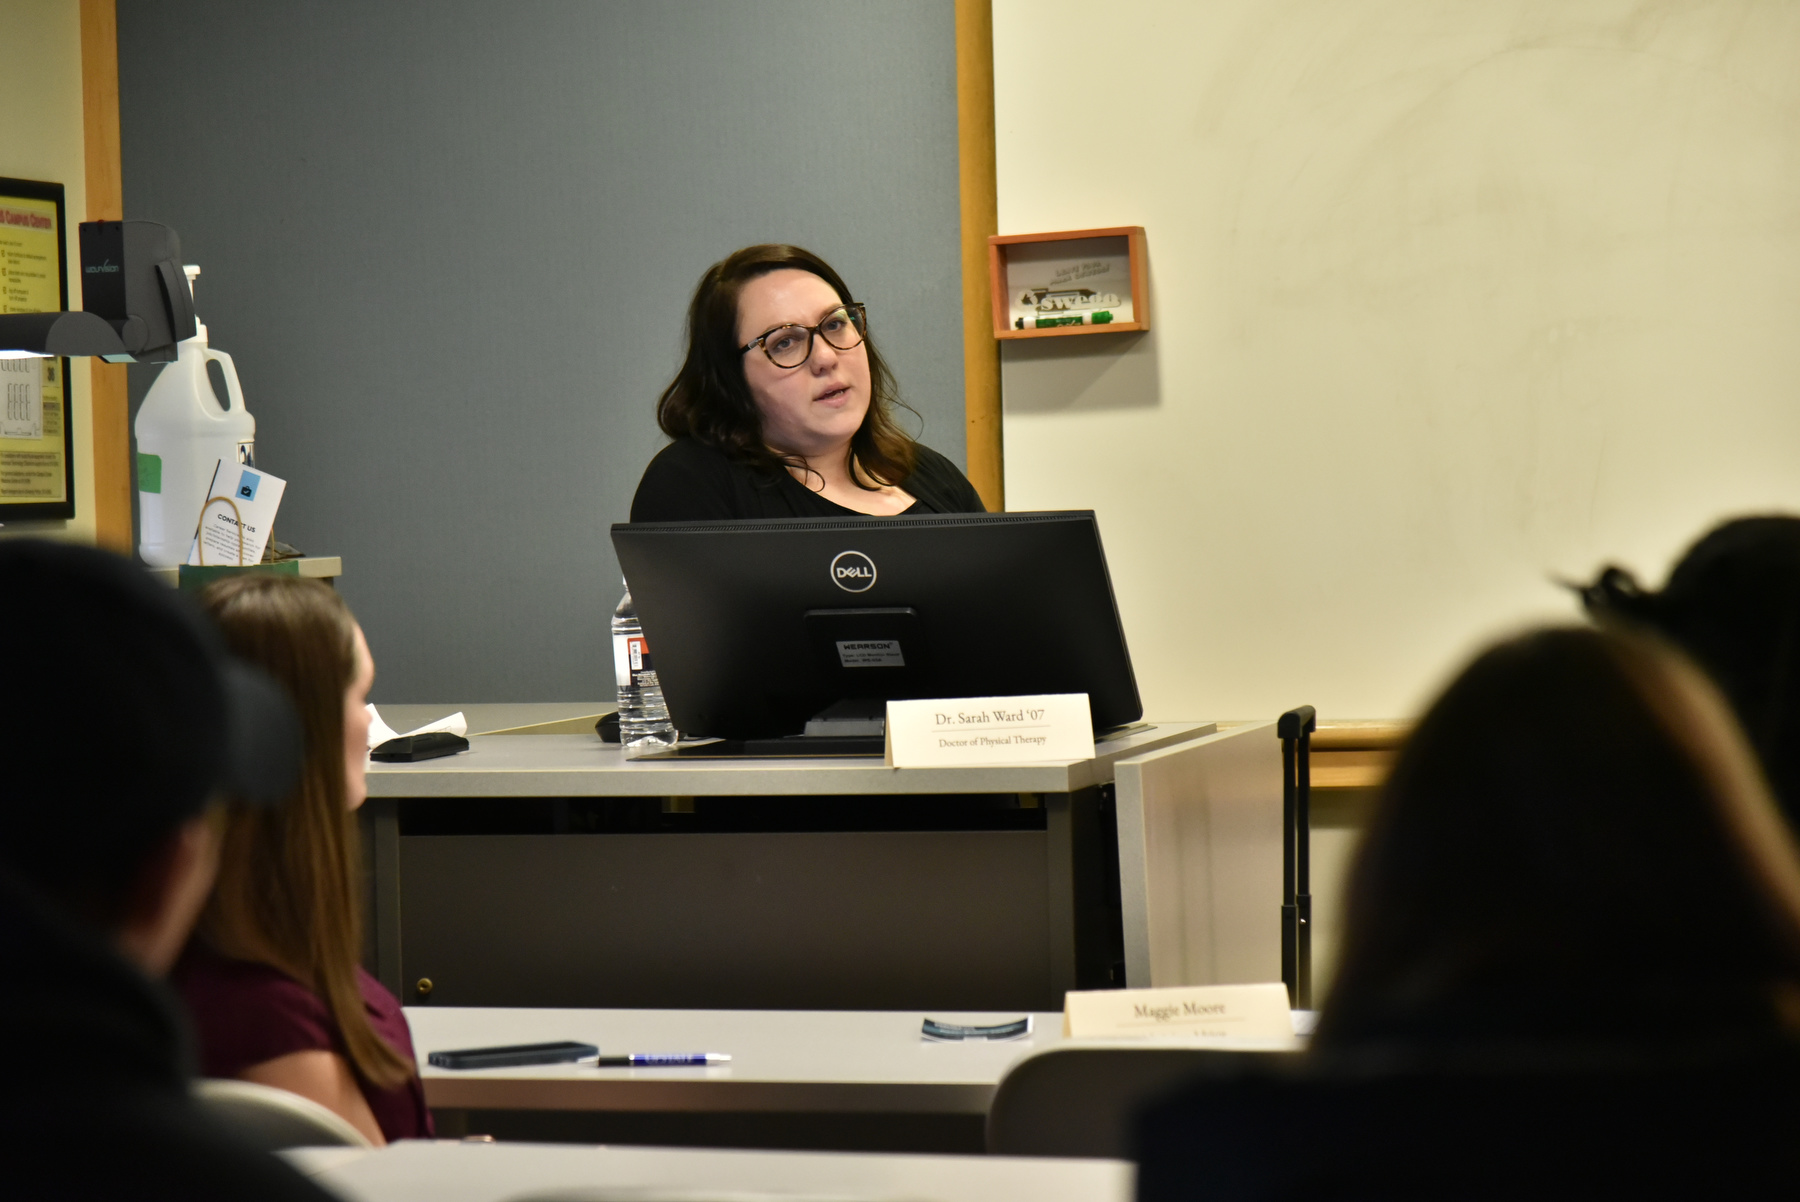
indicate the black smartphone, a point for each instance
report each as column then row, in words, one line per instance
column 514, row 1055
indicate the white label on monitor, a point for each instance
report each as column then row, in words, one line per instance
column 870, row 653
column 989, row 730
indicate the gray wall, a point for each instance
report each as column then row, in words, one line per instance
column 449, row 245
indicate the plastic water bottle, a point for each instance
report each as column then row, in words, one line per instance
column 644, row 724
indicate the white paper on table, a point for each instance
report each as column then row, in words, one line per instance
column 255, row 496
column 380, row 732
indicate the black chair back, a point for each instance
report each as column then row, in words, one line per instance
column 1083, row 1100
column 1587, row 1126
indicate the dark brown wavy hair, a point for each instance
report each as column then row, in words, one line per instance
column 289, row 887
column 1575, row 844
column 710, row 402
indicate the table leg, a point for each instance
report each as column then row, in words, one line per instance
column 450, row 1123
column 383, row 832
column 1059, row 892
column 1086, row 940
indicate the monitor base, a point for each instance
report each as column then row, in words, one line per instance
column 853, row 717
column 826, row 746
column 791, row 747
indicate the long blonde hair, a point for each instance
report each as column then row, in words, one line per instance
column 287, row 894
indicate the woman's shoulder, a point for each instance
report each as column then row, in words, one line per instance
column 245, row 1013
column 690, row 455
column 933, row 463
column 937, row 481
column 385, row 1013
column 201, row 971
column 688, row 481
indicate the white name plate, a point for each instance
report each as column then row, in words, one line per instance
column 1216, row 1011
column 989, row 730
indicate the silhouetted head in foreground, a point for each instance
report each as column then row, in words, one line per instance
column 1733, row 604
column 1575, row 844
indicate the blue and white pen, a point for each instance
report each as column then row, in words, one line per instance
column 663, row 1060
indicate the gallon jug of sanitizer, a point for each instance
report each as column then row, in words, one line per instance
column 182, row 434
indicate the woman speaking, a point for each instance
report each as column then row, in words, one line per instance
column 783, row 408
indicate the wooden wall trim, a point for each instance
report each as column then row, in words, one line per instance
column 111, row 408
column 980, row 207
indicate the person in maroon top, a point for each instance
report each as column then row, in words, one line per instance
column 272, row 978
column 108, row 846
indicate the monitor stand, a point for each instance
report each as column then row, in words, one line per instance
column 855, row 726
column 853, row 717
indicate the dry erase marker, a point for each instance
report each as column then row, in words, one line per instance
column 663, row 1060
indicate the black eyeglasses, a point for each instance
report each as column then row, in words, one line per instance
column 789, row 346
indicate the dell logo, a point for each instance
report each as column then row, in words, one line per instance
column 853, row 572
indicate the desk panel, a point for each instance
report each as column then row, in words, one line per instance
column 1200, row 855
column 814, row 920
column 546, row 870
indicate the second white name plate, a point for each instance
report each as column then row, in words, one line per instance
column 989, row 730
column 1219, row 1011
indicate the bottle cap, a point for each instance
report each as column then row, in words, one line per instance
column 192, row 272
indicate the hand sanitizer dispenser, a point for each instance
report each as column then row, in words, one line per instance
column 182, row 433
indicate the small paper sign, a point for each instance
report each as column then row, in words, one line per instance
column 1208, row 1011
column 239, row 516
column 22, row 380
column 989, row 730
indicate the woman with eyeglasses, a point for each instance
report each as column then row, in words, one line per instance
column 784, row 408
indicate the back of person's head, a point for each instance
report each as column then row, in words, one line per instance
column 1733, row 603
column 288, row 891
column 126, row 719
column 1574, row 844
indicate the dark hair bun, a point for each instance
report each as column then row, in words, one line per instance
column 1733, row 604
column 1615, row 593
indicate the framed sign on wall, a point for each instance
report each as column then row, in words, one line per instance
column 37, row 447
column 1071, row 282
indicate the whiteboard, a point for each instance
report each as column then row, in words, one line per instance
column 1450, row 298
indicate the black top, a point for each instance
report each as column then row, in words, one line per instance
column 1542, row 1121
column 93, row 1092
column 690, row 482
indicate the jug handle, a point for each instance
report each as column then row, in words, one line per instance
column 229, row 371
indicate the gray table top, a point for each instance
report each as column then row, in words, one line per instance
column 317, row 567
column 496, row 717
column 782, row 1060
column 583, row 766
column 449, row 1171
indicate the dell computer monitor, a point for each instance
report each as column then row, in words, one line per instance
column 755, row 627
